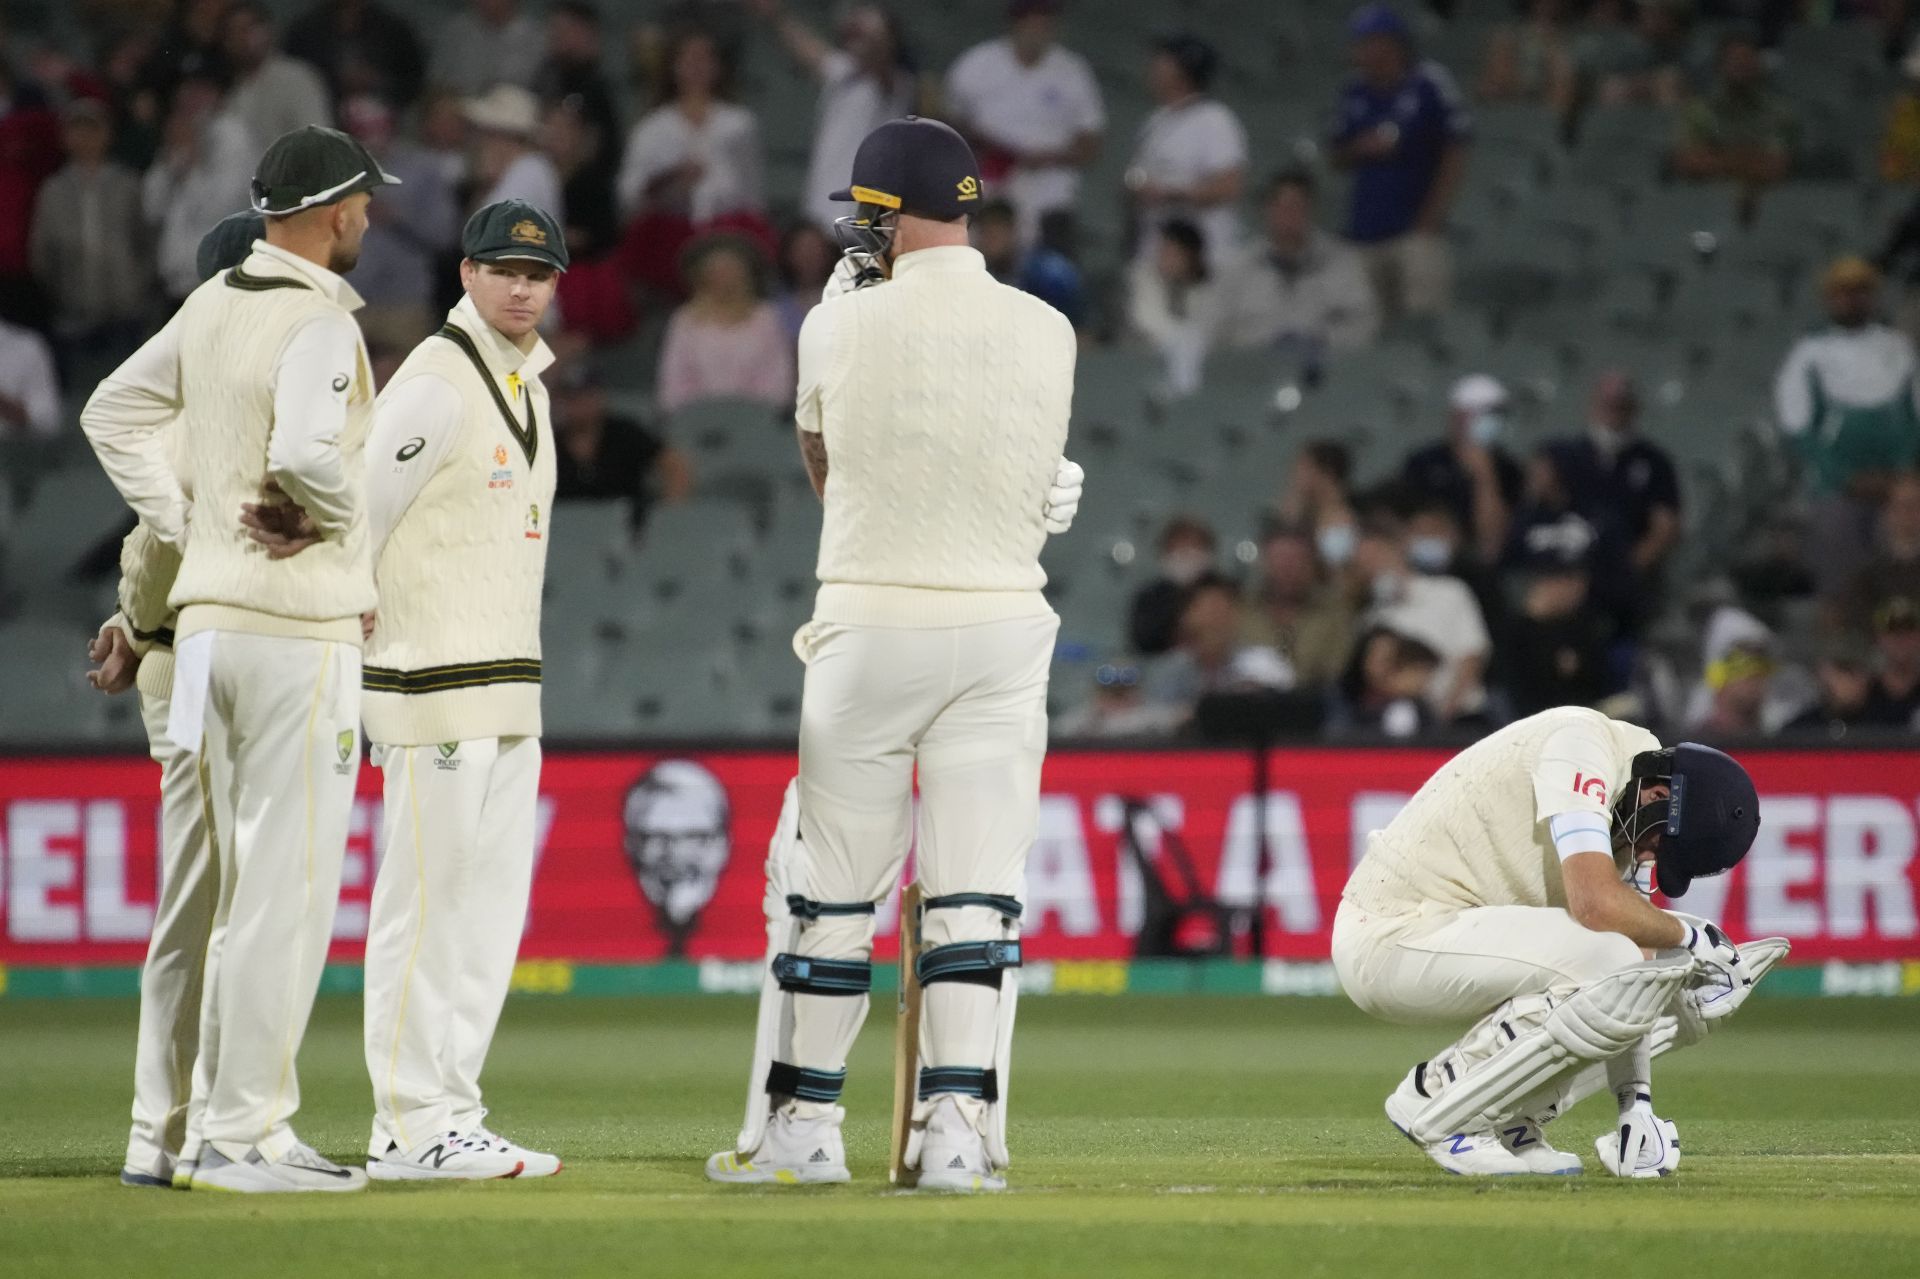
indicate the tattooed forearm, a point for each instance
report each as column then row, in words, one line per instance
column 813, row 452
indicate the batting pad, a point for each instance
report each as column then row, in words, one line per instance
column 1596, row 1022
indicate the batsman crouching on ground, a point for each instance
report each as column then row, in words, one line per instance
column 932, row 411
column 1510, row 889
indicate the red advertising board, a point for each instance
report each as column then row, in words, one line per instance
column 632, row 872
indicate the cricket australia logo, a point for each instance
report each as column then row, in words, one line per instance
column 448, row 760
column 678, row 837
column 533, row 522
column 343, row 745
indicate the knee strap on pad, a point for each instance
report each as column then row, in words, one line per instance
column 815, row 974
column 979, row 962
column 1598, row 1021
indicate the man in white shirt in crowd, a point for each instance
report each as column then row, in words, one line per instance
column 1299, row 286
column 1191, row 160
column 864, row 82
column 1032, row 111
column 272, row 94
column 1439, row 611
column 492, row 43
column 459, row 505
column 200, row 176
column 508, row 163
column 262, row 364
column 29, row 391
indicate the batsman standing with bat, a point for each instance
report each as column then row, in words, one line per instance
column 932, row 413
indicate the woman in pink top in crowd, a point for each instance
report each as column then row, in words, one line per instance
column 726, row 341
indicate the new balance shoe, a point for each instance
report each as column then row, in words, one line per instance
column 450, row 1156
column 797, row 1151
column 1523, row 1140
column 953, row 1155
column 534, row 1163
column 156, row 1169
column 301, row 1169
column 1465, row 1154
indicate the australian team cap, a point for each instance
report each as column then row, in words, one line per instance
column 509, row 230
column 312, row 166
column 915, row 166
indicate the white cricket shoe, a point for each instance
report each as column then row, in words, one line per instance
column 1465, row 1154
column 796, row 1151
column 953, row 1155
column 1659, row 1151
column 157, row 1168
column 300, row 1169
column 451, row 1156
column 1523, row 1140
column 535, row 1163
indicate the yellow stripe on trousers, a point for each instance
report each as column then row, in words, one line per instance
column 306, row 899
column 413, row 956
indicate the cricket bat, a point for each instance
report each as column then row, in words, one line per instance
column 906, row 1039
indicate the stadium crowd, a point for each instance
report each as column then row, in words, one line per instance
column 1468, row 584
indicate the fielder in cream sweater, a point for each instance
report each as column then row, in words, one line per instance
column 460, row 489
column 254, row 400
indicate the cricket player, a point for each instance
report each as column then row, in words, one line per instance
column 1510, row 892
column 460, row 485
column 135, row 648
column 264, row 369
column 932, row 412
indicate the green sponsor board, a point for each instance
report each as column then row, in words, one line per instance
column 552, row 977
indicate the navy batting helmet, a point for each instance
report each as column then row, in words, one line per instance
column 1708, row 820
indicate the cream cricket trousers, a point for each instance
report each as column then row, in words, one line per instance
column 279, row 756
column 1450, row 966
column 448, row 909
column 967, row 706
column 170, row 981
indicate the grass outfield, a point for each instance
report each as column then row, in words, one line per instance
column 1151, row 1137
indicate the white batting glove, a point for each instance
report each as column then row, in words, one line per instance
column 854, row 270
column 1720, row 982
column 1063, row 499
column 1652, row 1145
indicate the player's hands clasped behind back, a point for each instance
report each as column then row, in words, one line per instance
column 117, row 661
column 282, row 526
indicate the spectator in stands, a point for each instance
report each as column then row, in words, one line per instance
column 204, row 171
column 1846, row 397
column 1438, row 611
column 1618, row 476
column 361, row 47
column 805, row 260
column 1033, row 112
column 572, row 141
column 608, row 455
column 272, row 94
column 1531, row 60
column 1551, row 520
column 1471, row 470
column 1847, row 688
column 507, row 161
column 136, row 104
column 1187, row 550
column 443, row 135
column 1554, row 649
column 697, row 154
column 725, row 341
column 1894, row 570
column 406, row 236
column 1402, row 128
column 1298, row 609
column 1318, row 496
column 89, row 243
column 1039, row 270
column 1299, row 288
column 192, row 45
column 1900, row 139
column 1174, row 302
column 1208, row 655
column 1744, row 690
column 1438, row 546
column 29, row 391
column 1385, row 687
column 1741, row 131
column 1895, row 698
column 29, row 155
column 1117, row 707
column 866, row 78
column 574, row 76
column 492, row 43
column 1622, row 56
column 1190, row 164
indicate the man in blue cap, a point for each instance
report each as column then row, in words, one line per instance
column 1402, row 127
column 932, row 411
column 1512, row 892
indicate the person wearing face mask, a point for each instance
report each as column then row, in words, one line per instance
column 1438, row 611
column 1436, row 547
column 1187, row 551
column 1620, row 477
column 1470, row 470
